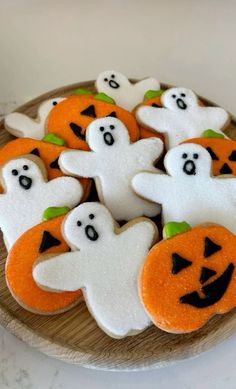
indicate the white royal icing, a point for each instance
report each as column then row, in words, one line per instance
column 23, row 126
column 28, row 194
column 113, row 162
column 189, row 192
column 124, row 93
column 182, row 117
column 105, row 263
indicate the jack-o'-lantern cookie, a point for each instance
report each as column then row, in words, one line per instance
column 189, row 277
column 221, row 150
column 65, row 124
column 48, row 152
column 104, row 261
column 70, row 119
column 45, row 238
column 182, row 117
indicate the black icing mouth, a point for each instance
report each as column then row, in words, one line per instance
column 213, row 291
column 189, row 168
column 25, row 182
column 113, row 84
column 91, row 233
column 108, row 138
column 77, row 130
column 181, row 104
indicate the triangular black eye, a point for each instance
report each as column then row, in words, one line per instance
column 212, row 154
column 35, row 152
column 54, row 164
column 77, row 131
column 210, row 247
column 48, row 241
column 112, row 114
column 179, row 263
column 232, row 156
column 225, row 169
column 90, row 111
column 154, row 105
column 206, row 274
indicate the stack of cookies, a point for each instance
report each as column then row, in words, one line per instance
column 154, row 157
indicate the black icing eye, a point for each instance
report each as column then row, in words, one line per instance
column 174, row 96
column 91, row 216
column 14, row 172
column 26, row 167
column 113, row 76
column 184, row 155
column 105, row 79
column 79, row 223
column 182, row 94
column 112, row 127
column 54, row 103
column 195, row 156
column 101, row 129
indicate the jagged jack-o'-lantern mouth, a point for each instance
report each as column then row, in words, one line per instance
column 213, row 292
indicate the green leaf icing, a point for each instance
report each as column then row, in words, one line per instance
column 52, row 212
column 212, row 134
column 173, row 228
column 53, row 138
column 103, row 97
column 150, row 94
column 82, row 91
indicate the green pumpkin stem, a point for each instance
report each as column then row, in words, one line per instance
column 103, row 97
column 52, row 212
column 150, row 94
column 173, row 228
column 211, row 134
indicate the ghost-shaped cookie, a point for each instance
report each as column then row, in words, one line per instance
column 28, row 194
column 181, row 116
column 22, row 126
column 104, row 262
column 189, row 192
column 124, row 93
column 113, row 161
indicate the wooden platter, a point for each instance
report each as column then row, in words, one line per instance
column 74, row 336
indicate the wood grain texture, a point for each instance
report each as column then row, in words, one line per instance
column 74, row 336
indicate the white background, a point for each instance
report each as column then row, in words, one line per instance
column 48, row 43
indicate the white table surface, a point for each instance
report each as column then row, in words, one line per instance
column 49, row 43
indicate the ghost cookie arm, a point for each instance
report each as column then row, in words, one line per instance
column 148, row 150
column 143, row 229
column 78, row 163
column 61, row 272
column 152, row 186
column 217, row 118
column 148, row 84
column 22, row 126
column 158, row 119
column 63, row 191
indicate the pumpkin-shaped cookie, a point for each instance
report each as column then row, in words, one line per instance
column 188, row 278
column 43, row 239
column 69, row 119
column 48, row 152
column 222, row 152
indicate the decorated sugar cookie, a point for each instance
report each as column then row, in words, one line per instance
column 70, row 119
column 124, row 93
column 104, row 262
column 189, row 192
column 113, row 161
column 49, row 153
column 23, row 126
column 27, row 194
column 221, row 150
column 189, row 277
column 43, row 239
column 182, row 117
